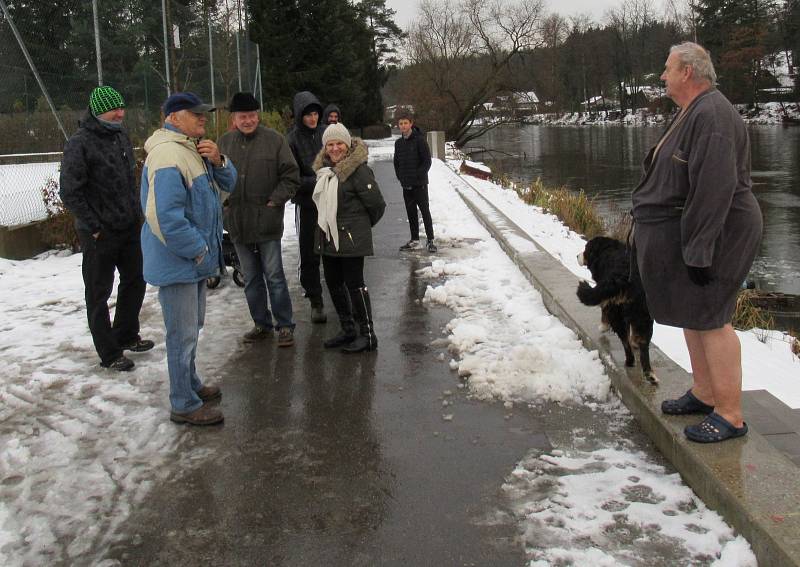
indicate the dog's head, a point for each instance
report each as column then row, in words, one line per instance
column 596, row 248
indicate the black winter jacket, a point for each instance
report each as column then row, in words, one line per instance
column 305, row 144
column 328, row 109
column 97, row 182
column 412, row 159
column 266, row 171
column 359, row 207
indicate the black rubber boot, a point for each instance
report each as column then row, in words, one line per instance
column 362, row 312
column 317, row 310
column 347, row 334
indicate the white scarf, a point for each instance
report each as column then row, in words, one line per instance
column 326, row 198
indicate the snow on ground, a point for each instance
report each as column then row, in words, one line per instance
column 81, row 446
column 78, row 444
column 767, row 360
column 613, row 506
column 595, row 499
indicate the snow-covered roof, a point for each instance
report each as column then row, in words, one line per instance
column 527, row 96
column 649, row 92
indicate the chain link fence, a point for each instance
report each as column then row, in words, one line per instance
column 207, row 52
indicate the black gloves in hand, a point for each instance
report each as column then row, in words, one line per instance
column 699, row 276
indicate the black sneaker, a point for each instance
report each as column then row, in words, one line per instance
column 410, row 245
column 122, row 364
column 139, row 345
column 431, row 247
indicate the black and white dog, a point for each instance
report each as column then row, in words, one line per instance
column 619, row 292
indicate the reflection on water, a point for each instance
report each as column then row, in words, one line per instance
column 605, row 161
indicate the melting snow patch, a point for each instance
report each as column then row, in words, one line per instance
column 612, row 507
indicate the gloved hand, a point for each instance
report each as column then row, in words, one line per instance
column 699, row 276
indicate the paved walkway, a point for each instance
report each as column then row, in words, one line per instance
column 336, row 460
column 332, row 459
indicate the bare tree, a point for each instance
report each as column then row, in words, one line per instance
column 460, row 53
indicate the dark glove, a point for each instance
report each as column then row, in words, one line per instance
column 699, row 276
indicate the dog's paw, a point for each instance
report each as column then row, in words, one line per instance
column 584, row 291
column 603, row 327
column 651, row 377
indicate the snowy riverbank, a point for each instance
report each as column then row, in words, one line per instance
column 766, row 113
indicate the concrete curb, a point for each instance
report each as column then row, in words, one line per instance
column 749, row 482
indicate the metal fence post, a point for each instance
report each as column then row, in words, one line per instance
column 238, row 34
column 211, row 60
column 258, row 78
column 97, row 43
column 166, row 45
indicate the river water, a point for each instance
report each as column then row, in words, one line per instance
column 605, row 161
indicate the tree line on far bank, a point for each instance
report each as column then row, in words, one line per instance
column 462, row 54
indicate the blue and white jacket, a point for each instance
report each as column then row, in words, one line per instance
column 182, row 210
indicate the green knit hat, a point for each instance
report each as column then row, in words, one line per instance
column 104, row 99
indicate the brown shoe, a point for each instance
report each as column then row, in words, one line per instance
column 208, row 393
column 285, row 337
column 204, row 415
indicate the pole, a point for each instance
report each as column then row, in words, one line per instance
column 258, row 77
column 27, row 55
column 166, row 45
column 97, row 43
column 211, row 58
column 238, row 34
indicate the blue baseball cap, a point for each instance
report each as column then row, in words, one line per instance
column 185, row 101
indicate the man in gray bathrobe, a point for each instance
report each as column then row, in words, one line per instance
column 698, row 229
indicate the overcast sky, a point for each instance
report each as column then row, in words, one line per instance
column 407, row 9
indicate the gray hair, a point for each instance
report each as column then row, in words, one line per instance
column 690, row 53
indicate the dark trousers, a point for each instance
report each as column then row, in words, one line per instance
column 306, row 220
column 119, row 251
column 347, row 272
column 414, row 197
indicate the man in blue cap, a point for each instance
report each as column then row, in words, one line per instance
column 181, row 242
column 98, row 186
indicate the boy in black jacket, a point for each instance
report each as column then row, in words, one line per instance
column 412, row 160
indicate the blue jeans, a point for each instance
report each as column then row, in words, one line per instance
column 263, row 272
column 184, row 309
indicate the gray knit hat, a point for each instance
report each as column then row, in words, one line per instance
column 336, row 132
column 104, row 99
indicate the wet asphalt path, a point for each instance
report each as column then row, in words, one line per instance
column 332, row 459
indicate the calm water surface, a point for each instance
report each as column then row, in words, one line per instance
column 605, row 161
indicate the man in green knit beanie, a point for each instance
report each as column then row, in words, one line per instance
column 98, row 186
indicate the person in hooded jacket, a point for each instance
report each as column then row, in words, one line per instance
column 350, row 203
column 98, row 186
column 412, row 160
column 305, row 141
column 331, row 114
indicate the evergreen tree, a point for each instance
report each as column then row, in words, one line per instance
column 384, row 36
column 324, row 46
column 736, row 32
